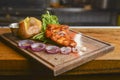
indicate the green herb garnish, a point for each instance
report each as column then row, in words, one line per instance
column 46, row 19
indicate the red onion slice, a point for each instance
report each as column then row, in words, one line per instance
column 52, row 49
column 65, row 50
column 37, row 47
column 76, row 49
column 25, row 44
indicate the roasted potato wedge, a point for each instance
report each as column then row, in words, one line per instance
column 29, row 27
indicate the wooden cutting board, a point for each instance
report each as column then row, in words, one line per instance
column 60, row 63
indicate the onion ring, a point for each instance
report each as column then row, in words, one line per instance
column 37, row 47
column 52, row 49
column 76, row 49
column 25, row 44
column 66, row 50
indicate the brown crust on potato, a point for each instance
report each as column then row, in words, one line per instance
column 29, row 27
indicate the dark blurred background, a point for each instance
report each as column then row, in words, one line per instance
column 71, row 12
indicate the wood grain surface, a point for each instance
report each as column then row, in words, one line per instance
column 111, row 35
column 105, row 64
column 60, row 63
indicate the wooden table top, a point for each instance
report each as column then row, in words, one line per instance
column 110, row 35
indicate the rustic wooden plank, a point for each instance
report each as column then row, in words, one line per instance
column 111, row 35
column 59, row 63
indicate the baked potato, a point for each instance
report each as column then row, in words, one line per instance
column 29, row 27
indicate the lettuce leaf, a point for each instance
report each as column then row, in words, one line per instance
column 47, row 18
